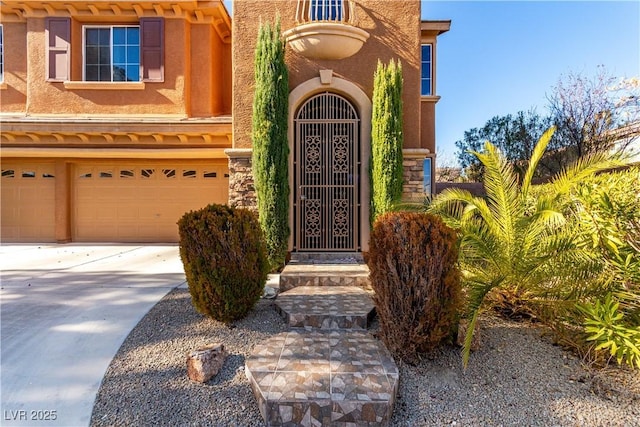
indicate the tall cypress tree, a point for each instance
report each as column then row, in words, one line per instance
column 270, row 144
column 386, row 138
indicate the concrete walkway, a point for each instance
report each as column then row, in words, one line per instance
column 65, row 311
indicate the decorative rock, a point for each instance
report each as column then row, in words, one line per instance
column 204, row 363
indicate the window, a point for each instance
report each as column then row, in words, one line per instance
column 1, row 54
column 112, row 54
column 426, row 81
column 426, row 168
column 326, row 10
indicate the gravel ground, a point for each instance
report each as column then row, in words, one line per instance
column 516, row 378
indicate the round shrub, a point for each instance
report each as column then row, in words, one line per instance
column 224, row 259
column 413, row 271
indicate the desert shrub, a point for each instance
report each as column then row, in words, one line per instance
column 413, row 270
column 224, row 259
column 604, row 218
column 606, row 326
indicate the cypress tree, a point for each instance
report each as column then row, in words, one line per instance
column 386, row 138
column 270, row 144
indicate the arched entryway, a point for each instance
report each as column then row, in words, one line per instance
column 355, row 97
column 327, row 164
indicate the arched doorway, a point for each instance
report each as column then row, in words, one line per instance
column 327, row 163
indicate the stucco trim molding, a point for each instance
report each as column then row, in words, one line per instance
column 415, row 153
column 235, row 153
column 362, row 103
column 113, row 153
column 430, row 98
column 104, row 85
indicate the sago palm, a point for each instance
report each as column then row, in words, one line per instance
column 506, row 243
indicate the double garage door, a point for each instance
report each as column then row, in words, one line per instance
column 110, row 202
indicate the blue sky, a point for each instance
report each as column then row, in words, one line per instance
column 501, row 57
column 504, row 56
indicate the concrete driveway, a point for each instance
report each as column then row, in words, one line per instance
column 65, row 311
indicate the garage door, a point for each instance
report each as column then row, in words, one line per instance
column 28, row 202
column 141, row 202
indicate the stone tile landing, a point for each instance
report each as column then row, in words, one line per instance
column 325, row 270
column 326, row 307
column 323, row 378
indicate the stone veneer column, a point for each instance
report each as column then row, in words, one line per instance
column 413, row 174
column 242, row 192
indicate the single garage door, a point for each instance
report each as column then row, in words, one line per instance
column 141, row 202
column 28, row 202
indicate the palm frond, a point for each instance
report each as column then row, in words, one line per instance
column 537, row 154
column 501, row 185
column 457, row 206
column 477, row 293
column 584, row 167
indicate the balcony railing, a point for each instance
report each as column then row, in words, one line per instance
column 337, row 11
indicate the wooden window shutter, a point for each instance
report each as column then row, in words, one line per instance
column 152, row 49
column 58, row 44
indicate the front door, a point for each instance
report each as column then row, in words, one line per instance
column 327, row 161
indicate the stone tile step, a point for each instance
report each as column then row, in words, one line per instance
column 323, row 378
column 326, row 307
column 327, row 257
column 303, row 274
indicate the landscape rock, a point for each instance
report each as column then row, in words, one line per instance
column 205, row 362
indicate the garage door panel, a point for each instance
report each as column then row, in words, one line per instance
column 142, row 202
column 28, row 202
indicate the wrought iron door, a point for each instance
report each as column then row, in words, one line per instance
column 327, row 182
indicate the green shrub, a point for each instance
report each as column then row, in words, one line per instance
column 224, row 259
column 606, row 220
column 514, row 247
column 386, row 139
column 413, row 270
column 270, row 144
column 606, row 327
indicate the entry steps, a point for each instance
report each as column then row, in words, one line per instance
column 331, row 269
column 327, row 370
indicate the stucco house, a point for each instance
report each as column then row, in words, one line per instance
column 119, row 116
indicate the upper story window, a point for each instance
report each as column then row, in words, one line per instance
column 326, row 10
column 426, row 81
column 112, row 54
column 1, row 54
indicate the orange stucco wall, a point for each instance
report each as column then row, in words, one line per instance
column 394, row 28
column 210, row 62
column 13, row 98
column 196, row 63
column 157, row 98
column 428, row 129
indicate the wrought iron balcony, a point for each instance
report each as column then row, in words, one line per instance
column 340, row 11
column 326, row 29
